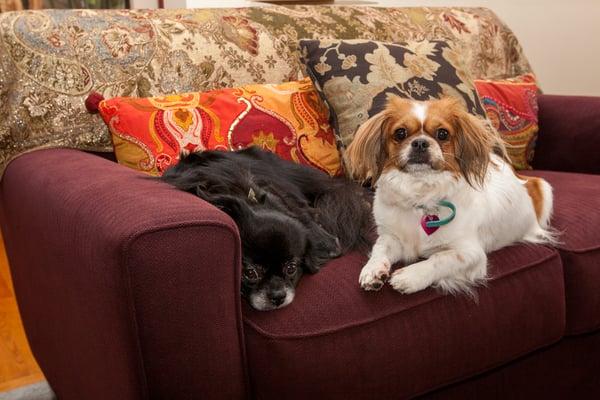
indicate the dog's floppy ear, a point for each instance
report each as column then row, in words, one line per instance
column 366, row 154
column 475, row 142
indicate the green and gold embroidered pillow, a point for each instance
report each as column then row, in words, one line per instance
column 356, row 77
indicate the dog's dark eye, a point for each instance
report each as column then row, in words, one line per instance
column 442, row 134
column 251, row 274
column 400, row 134
column 290, row 268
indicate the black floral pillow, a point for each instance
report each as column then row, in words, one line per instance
column 356, row 76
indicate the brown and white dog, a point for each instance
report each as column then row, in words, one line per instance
column 417, row 154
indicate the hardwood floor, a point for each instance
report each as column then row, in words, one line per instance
column 17, row 365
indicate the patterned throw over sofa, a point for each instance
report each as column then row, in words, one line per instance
column 129, row 290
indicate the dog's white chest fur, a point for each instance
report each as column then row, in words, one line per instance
column 400, row 202
column 489, row 215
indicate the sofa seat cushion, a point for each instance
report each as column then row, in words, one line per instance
column 577, row 217
column 388, row 345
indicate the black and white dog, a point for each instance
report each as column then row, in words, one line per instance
column 291, row 218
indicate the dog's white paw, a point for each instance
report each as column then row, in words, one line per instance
column 411, row 279
column 374, row 274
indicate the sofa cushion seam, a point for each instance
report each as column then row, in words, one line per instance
column 579, row 332
column 580, row 250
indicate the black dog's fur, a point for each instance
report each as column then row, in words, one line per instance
column 290, row 217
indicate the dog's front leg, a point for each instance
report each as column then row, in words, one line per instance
column 386, row 251
column 453, row 270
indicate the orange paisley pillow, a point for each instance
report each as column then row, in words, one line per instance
column 289, row 119
column 512, row 107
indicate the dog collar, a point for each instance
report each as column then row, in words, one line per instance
column 431, row 222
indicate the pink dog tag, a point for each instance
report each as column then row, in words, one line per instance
column 427, row 218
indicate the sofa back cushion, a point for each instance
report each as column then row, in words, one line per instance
column 51, row 60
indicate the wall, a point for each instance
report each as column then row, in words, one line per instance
column 144, row 3
column 561, row 38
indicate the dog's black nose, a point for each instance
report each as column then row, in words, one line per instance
column 420, row 144
column 277, row 298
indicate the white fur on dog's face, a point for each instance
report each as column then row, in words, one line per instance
column 419, row 153
column 420, row 112
column 260, row 301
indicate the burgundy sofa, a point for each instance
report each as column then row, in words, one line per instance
column 129, row 289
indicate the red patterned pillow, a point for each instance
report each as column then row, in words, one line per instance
column 512, row 106
column 288, row 119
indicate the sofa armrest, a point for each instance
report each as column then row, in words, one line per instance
column 569, row 136
column 128, row 288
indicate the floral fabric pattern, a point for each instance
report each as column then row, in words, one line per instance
column 512, row 108
column 51, row 60
column 357, row 76
column 289, row 119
